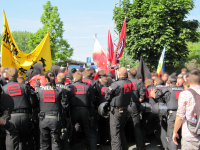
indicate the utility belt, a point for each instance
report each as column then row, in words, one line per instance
column 51, row 115
column 24, row 110
column 120, row 109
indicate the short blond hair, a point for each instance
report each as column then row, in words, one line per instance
column 12, row 73
column 78, row 75
column 148, row 82
column 88, row 73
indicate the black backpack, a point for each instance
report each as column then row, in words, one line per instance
column 195, row 128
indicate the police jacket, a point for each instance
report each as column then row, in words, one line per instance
column 6, row 102
column 138, row 90
column 149, row 98
column 103, row 93
column 61, row 85
column 119, row 93
column 81, row 94
column 95, row 89
column 19, row 93
column 3, row 81
column 50, row 99
column 171, row 97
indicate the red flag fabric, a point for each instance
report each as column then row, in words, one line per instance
column 41, row 79
column 96, row 76
column 120, row 45
column 100, row 56
column 110, row 47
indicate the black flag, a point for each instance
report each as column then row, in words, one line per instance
column 143, row 70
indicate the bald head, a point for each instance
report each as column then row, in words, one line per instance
column 61, row 77
column 122, row 72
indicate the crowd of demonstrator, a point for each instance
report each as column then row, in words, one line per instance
column 56, row 109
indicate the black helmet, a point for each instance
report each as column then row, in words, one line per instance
column 159, row 109
column 145, row 107
column 103, row 109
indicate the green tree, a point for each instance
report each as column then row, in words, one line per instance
column 60, row 49
column 152, row 23
column 194, row 50
column 21, row 39
column 127, row 61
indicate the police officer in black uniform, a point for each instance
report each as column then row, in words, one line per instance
column 158, row 83
column 148, row 118
column 20, row 114
column 119, row 95
column 6, row 107
column 51, row 101
column 103, row 123
column 137, row 96
column 66, row 120
column 171, row 99
column 80, row 104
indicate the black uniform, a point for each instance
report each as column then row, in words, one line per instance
column 6, row 107
column 163, row 119
column 20, row 115
column 138, row 92
column 172, row 106
column 80, row 104
column 150, row 121
column 51, row 103
column 66, row 117
column 119, row 95
column 103, row 123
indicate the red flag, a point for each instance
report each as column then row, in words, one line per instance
column 99, row 56
column 120, row 45
column 110, row 47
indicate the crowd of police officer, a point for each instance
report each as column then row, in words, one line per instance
column 51, row 116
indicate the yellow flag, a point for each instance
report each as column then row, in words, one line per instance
column 11, row 56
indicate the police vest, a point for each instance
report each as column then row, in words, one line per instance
column 50, row 99
column 173, row 102
column 6, row 102
column 80, row 95
column 103, row 93
column 160, row 86
column 123, row 99
column 149, row 98
column 62, row 86
column 135, row 90
column 17, row 92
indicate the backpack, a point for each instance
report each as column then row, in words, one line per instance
column 195, row 128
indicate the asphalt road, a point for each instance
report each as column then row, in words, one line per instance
column 152, row 144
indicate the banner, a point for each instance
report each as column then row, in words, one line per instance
column 11, row 56
column 143, row 70
column 100, row 56
column 161, row 67
column 110, row 47
column 120, row 45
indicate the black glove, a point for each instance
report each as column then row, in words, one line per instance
column 10, row 127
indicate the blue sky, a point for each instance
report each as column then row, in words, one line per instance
column 82, row 19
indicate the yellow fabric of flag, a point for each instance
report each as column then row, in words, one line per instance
column 11, row 56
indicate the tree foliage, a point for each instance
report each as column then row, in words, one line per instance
column 194, row 50
column 21, row 39
column 152, row 23
column 60, row 49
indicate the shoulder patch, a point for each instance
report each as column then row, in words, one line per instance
column 103, row 90
column 14, row 90
column 49, row 96
column 79, row 89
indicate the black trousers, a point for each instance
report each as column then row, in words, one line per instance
column 170, row 129
column 164, row 131
column 81, row 115
column 17, row 140
column 117, row 121
column 50, row 129
column 103, row 129
column 133, row 110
